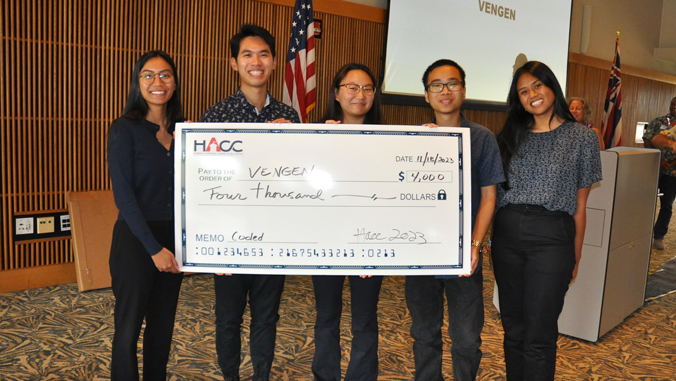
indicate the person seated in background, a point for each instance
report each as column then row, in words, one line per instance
column 582, row 113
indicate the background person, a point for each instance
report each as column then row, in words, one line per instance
column 355, row 101
column 550, row 163
column 145, row 275
column 582, row 114
column 253, row 57
column 653, row 138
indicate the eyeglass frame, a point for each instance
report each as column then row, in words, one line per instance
column 446, row 85
column 359, row 87
column 162, row 75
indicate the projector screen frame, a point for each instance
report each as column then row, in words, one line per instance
column 467, row 104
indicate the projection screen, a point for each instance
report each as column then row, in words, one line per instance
column 488, row 39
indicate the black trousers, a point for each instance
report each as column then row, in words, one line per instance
column 365, row 293
column 141, row 291
column 533, row 260
column 425, row 301
column 264, row 294
column 667, row 186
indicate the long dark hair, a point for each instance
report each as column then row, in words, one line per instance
column 335, row 112
column 137, row 107
column 519, row 121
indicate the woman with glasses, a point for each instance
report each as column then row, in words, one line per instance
column 550, row 163
column 145, row 276
column 355, row 101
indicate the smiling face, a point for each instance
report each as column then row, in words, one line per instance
column 254, row 62
column 158, row 93
column 535, row 97
column 577, row 109
column 355, row 107
column 446, row 101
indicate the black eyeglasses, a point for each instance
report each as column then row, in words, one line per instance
column 439, row 87
column 355, row 89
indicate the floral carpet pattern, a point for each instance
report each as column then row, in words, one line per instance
column 57, row 333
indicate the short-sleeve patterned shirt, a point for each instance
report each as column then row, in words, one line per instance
column 551, row 167
column 656, row 126
column 236, row 108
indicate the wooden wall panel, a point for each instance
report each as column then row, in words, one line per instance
column 643, row 99
column 65, row 67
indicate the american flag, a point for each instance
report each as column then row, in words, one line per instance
column 299, row 80
column 611, row 127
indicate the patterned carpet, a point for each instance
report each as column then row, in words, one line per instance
column 662, row 281
column 57, row 333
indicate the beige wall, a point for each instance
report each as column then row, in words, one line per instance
column 640, row 26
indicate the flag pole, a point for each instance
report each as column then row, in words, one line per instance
column 611, row 126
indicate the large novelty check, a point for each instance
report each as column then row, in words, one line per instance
column 305, row 199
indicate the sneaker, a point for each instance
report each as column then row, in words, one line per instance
column 658, row 243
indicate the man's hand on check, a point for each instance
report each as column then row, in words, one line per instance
column 280, row 120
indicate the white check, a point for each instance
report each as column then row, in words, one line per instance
column 322, row 199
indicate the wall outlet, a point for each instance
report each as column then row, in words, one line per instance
column 24, row 225
column 41, row 225
column 65, row 222
column 45, row 225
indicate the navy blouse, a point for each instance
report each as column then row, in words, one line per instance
column 142, row 173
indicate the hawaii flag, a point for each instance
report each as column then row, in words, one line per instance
column 611, row 127
column 299, row 78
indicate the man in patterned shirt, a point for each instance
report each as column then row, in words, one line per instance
column 253, row 57
column 652, row 138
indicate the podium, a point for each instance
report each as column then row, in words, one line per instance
column 613, row 271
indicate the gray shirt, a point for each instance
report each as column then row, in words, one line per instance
column 486, row 164
column 550, row 167
column 486, row 167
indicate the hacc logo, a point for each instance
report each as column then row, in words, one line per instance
column 214, row 146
